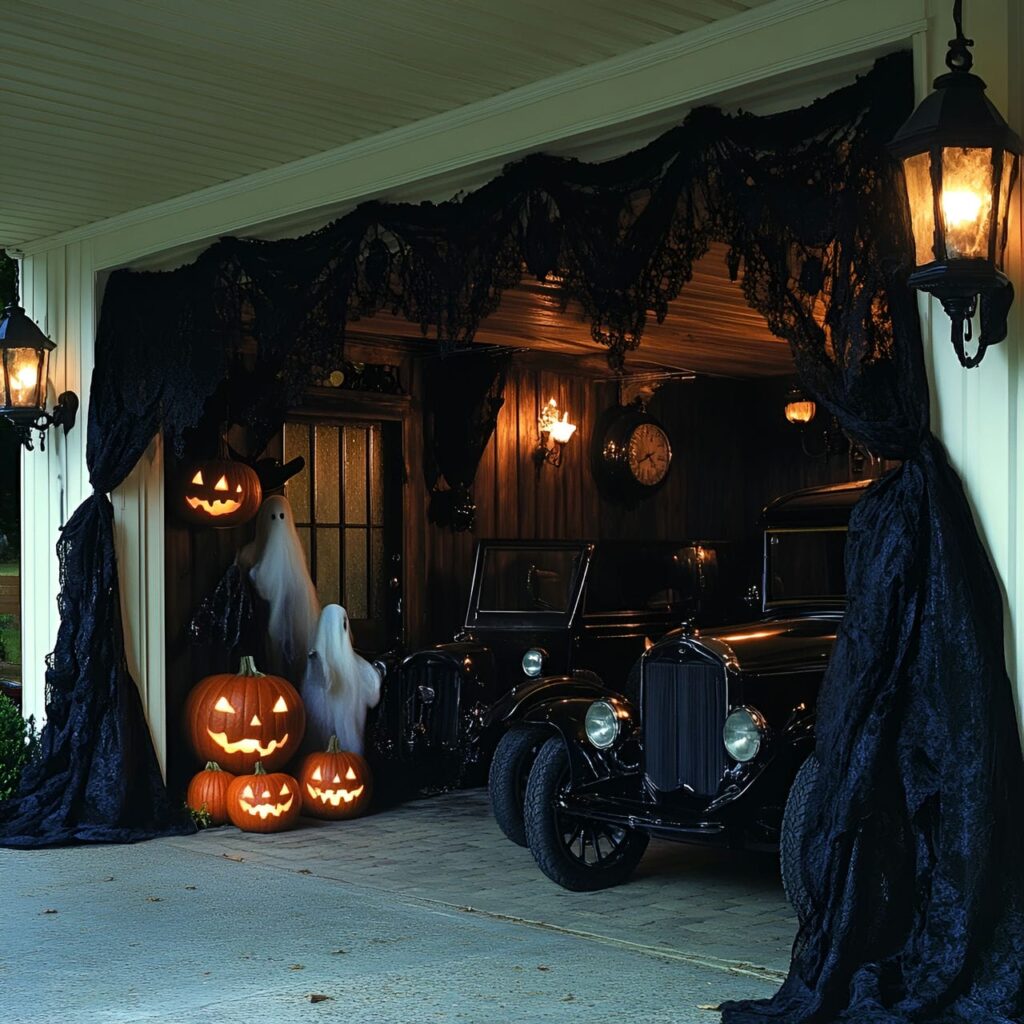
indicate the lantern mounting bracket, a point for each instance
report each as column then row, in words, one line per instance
column 64, row 414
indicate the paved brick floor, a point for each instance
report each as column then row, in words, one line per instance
column 707, row 906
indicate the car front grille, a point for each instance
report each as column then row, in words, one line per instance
column 684, row 709
column 429, row 705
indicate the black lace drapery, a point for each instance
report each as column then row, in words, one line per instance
column 913, row 858
column 462, row 399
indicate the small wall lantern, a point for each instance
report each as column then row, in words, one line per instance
column 800, row 409
column 24, row 353
column 555, row 432
column 960, row 162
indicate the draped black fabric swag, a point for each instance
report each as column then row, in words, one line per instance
column 463, row 397
column 914, row 853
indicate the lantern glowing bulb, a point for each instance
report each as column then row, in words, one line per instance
column 960, row 207
column 799, row 410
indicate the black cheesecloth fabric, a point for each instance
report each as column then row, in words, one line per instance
column 913, row 855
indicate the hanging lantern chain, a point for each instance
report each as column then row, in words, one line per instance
column 959, row 57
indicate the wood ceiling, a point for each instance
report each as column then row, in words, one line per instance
column 112, row 105
column 709, row 329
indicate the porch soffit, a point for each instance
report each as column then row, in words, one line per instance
column 114, row 105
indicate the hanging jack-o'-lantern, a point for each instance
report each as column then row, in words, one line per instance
column 217, row 492
column 208, row 792
column 239, row 719
column 335, row 784
column 264, row 802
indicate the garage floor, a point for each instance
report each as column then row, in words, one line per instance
column 421, row 913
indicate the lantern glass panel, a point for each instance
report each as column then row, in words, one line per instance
column 967, row 201
column 26, row 377
column 918, row 174
column 801, row 411
column 1010, row 171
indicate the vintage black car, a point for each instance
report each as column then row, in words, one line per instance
column 709, row 747
column 545, row 619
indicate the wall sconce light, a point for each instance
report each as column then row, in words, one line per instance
column 555, row 432
column 24, row 352
column 800, row 409
column 960, row 164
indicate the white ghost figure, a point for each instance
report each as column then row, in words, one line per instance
column 276, row 563
column 339, row 687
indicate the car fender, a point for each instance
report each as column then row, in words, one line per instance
column 513, row 706
column 565, row 717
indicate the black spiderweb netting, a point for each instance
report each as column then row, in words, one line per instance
column 914, row 857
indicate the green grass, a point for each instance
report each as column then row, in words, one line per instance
column 8, row 568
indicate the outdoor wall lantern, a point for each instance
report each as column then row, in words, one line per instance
column 24, row 352
column 555, row 432
column 960, row 163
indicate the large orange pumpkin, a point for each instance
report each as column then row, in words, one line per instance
column 217, row 492
column 208, row 792
column 264, row 802
column 243, row 718
column 336, row 783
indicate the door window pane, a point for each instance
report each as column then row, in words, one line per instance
column 326, row 483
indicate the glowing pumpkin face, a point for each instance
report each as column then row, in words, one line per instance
column 264, row 802
column 240, row 719
column 335, row 784
column 218, row 493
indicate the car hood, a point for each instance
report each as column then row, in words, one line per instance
column 768, row 645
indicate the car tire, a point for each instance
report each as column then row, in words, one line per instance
column 551, row 834
column 793, row 825
column 506, row 782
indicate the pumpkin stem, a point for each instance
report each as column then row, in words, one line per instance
column 259, row 769
column 332, row 746
column 248, row 666
column 212, row 766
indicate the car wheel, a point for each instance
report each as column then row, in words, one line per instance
column 506, row 782
column 793, row 825
column 578, row 854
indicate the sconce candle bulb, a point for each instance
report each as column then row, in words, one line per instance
column 555, row 431
column 960, row 164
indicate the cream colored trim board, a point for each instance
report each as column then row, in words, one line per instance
column 768, row 41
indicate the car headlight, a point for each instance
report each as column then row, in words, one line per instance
column 533, row 662
column 743, row 733
column 601, row 724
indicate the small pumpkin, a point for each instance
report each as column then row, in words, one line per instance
column 263, row 801
column 336, row 783
column 240, row 718
column 217, row 492
column 208, row 791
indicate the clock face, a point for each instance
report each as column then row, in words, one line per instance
column 649, row 454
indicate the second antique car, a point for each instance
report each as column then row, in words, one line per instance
column 709, row 747
column 545, row 619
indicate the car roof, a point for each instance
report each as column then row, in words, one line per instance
column 830, row 505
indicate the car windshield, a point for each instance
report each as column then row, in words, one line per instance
column 524, row 579
column 805, row 565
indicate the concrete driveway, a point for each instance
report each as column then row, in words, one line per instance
column 422, row 913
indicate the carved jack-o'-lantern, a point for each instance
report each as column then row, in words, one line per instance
column 335, row 784
column 263, row 802
column 208, row 792
column 218, row 492
column 240, row 719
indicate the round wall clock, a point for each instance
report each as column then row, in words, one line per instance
column 632, row 452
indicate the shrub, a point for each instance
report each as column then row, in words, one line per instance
column 18, row 742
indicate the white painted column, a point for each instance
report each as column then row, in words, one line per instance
column 978, row 413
